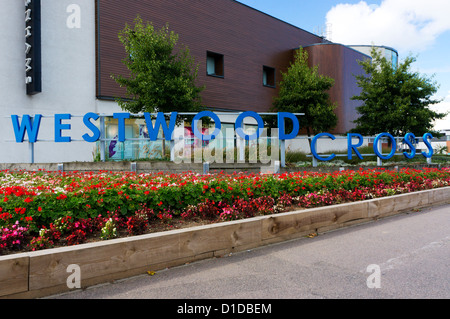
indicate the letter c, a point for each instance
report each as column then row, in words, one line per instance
column 313, row 147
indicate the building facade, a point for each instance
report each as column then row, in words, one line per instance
column 241, row 53
column 390, row 54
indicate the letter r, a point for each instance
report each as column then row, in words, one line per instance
column 352, row 147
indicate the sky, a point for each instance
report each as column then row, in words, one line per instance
column 417, row 28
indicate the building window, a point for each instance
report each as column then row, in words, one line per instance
column 268, row 76
column 214, row 64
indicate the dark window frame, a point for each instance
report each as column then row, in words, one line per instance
column 219, row 64
column 269, row 76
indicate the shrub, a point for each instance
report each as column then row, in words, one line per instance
column 189, row 213
column 165, row 216
column 229, row 214
column 264, row 205
column 71, row 206
column 208, row 209
column 43, row 241
column 77, row 237
column 13, row 237
column 109, row 231
column 137, row 224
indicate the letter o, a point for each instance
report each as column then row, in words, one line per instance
column 375, row 146
column 218, row 125
column 240, row 120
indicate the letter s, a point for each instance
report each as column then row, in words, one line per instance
column 92, row 127
column 430, row 148
column 408, row 140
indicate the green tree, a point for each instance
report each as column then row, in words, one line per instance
column 304, row 90
column 395, row 99
column 162, row 75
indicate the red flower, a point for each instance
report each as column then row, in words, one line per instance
column 28, row 200
column 39, row 209
column 20, row 210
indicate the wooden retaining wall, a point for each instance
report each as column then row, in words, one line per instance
column 43, row 273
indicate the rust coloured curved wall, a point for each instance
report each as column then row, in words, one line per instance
column 340, row 63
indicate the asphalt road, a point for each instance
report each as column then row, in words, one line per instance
column 402, row 257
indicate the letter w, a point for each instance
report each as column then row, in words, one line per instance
column 160, row 121
column 28, row 125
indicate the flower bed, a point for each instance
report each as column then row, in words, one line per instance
column 40, row 210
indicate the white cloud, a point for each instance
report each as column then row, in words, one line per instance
column 406, row 25
column 443, row 107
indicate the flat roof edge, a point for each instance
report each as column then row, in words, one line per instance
column 332, row 43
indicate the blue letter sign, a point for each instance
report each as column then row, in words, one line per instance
column 96, row 132
column 30, row 126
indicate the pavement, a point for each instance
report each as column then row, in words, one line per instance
column 402, row 257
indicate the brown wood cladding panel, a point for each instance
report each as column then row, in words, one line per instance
column 247, row 38
column 341, row 64
column 328, row 58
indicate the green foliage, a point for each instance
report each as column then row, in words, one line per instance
column 162, row 75
column 109, row 231
column 304, row 90
column 395, row 100
column 158, row 198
